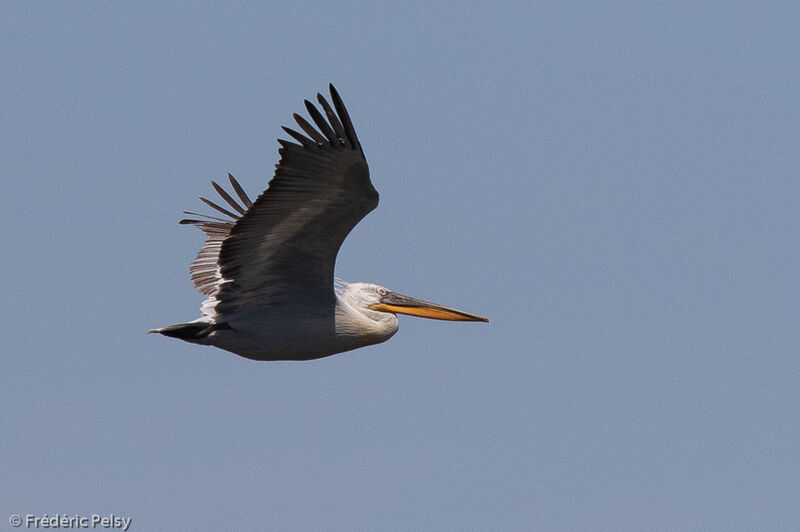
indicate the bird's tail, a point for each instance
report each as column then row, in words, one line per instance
column 190, row 331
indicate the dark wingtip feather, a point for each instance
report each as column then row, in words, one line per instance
column 333, row 119
column 224, row 195
column 299, row 137
column 322, row 124
column 309, row 129
column 345, row 117
column 206, row 218
column 240, row 191
column 223, row 210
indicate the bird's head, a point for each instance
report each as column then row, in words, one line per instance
column 380, row 299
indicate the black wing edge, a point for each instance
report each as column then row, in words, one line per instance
column 337, row 130
column 240, row 208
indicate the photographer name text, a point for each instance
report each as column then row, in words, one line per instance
column 70, row 521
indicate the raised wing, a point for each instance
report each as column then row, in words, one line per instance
column 284, row 246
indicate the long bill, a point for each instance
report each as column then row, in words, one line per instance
column 401, row 304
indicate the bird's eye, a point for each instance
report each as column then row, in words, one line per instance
column 382, row 291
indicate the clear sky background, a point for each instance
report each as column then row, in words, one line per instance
column 616, row 185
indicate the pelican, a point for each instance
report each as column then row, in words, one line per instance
column 267, row 268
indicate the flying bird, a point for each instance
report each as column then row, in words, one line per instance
column 266, row 269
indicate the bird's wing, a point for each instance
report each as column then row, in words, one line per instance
column 284, row 245
column 204, row 270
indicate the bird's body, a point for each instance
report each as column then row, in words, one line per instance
column 267, row 271
column 297, row 331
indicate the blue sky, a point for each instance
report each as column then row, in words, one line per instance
column 617, row 186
